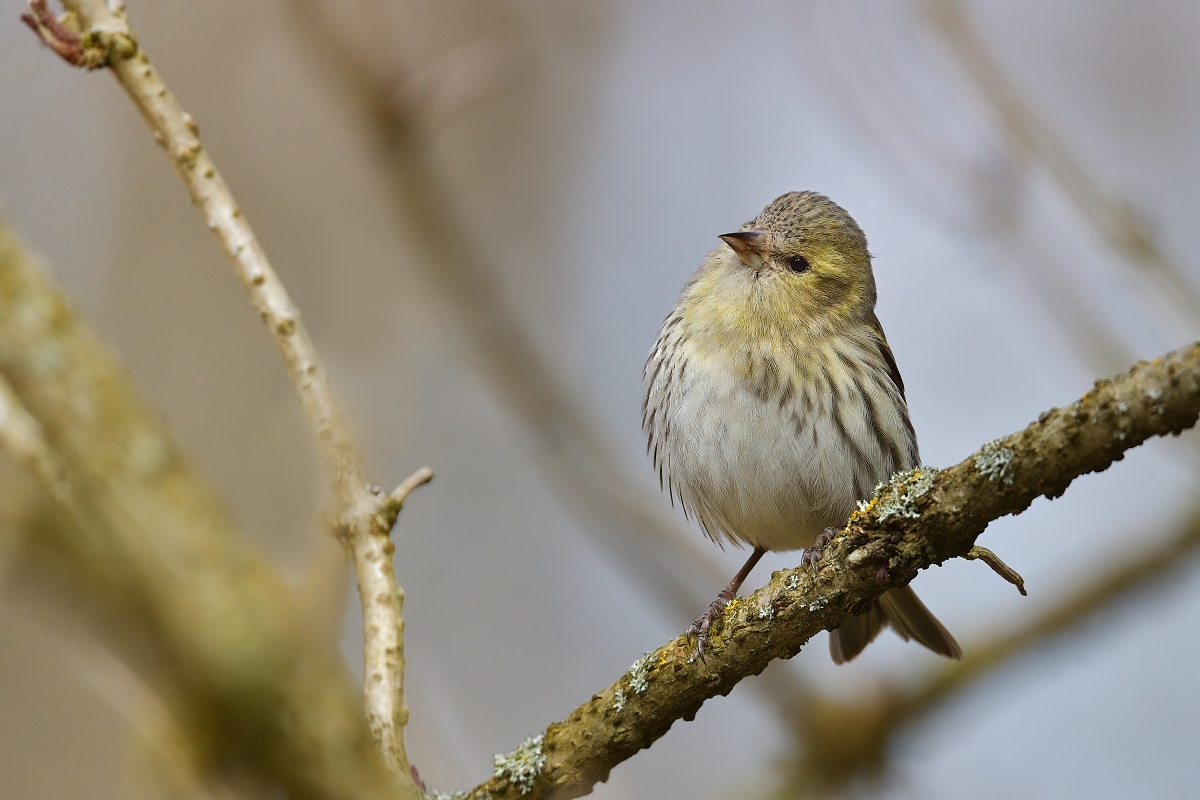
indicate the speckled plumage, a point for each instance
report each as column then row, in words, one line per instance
column 773, row 403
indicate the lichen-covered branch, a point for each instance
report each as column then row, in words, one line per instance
column 843, row 740
column 365, row 516
column 257, row 694
column 923, row 517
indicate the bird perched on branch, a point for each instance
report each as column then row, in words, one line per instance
column 773, row 402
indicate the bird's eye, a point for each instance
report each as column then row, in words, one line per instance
column 798, row 264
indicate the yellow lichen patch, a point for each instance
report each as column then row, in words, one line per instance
column 863, row 510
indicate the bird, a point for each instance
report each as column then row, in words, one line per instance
column 773, row 403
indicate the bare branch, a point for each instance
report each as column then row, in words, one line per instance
column 366, row 518
column 569, row 437
column 938, row 516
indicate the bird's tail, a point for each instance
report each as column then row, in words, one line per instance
column 906, row 614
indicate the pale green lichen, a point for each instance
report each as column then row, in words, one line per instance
column 639, row 674
column 1123, row 407
column 766, row 611
column 897, row 499
column 521, row 767
column 619, row 700
column 994, row 462
column 819, row 603
column 794, row 581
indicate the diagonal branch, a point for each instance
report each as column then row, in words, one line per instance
column 366, row 516
column 923, row 517
column 21, row 437
column 843, row 740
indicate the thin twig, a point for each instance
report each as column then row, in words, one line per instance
column 936, row 516
column 1113, row 217
column 365, row 518
column 569, row 437
column 998, row 566
column 903, row 124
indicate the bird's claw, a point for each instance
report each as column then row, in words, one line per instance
column 703, row 623
column 813, row 554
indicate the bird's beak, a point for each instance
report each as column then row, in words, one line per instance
column 748, row 245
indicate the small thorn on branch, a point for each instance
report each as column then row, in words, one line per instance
column 977, row 553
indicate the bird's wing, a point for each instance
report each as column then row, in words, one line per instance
column 886, row 353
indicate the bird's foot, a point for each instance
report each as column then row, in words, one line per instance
column 812, row 555
column 703, row 623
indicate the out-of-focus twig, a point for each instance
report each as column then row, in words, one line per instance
column 1113, row 218
column 116, row 683
column 366, row 516
column 921, row 518
column 838, row 743
column 901, row 122
column 254, row 691
column 842, row 741
column 568, row 437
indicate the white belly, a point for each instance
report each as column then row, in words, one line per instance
column 770, row 471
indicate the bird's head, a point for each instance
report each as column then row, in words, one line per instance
column 807, row 257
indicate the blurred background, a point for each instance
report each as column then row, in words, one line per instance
column 485, row 209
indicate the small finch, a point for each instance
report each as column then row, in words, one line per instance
column 773, row 402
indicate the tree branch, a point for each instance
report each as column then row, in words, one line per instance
column 256, row 693
column 922, row 517
column 841, row 740
column 366, row 516
column 21, row 437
